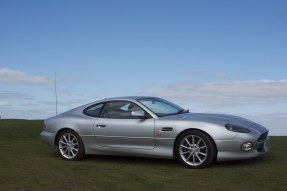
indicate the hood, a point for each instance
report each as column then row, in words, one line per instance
column 213, row 118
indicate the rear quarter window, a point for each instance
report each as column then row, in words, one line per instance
column 94, row 110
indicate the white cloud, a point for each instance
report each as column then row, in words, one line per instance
column 17, row 77
column 69, row 79
column 225, row 94
column 28, row 113
column 7, row 95
column 37, row 110
column 4, row 103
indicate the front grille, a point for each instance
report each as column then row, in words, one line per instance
column 263, row 137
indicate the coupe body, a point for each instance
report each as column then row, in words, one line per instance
column 153, row 127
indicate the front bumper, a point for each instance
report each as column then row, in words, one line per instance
column 231, row 149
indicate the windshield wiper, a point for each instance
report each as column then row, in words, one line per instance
column 183, row 111
column 176, row 113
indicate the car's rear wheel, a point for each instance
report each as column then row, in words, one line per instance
column 70, row 145
column 195, row 149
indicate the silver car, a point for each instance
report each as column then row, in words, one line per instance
column 153, row 127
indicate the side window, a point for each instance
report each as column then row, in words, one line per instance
column 94, row 110
column 120, row 110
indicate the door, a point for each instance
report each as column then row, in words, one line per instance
column 116, row 127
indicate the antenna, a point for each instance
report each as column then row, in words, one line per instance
column 56, row 96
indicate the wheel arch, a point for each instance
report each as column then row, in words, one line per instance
column 59, row 133
column 195, row 129
column 81, row 148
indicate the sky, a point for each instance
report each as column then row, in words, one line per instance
column 208, row 56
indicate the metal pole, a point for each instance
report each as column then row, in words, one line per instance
column 56, row 96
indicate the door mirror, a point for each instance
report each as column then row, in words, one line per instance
column 138, row 113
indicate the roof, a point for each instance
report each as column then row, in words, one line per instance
column 130, row 97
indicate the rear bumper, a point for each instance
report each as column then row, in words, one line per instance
column 48, row 138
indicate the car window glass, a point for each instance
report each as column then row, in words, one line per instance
column 125, row 107
column 159, row 107
column 120, row 110
column 94, row 110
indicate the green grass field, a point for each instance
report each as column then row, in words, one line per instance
column 28, row 164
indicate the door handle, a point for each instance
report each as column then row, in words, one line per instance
column 101, row 125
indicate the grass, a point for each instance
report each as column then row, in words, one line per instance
column 28, row 164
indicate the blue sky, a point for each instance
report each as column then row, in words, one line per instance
column 208, row 56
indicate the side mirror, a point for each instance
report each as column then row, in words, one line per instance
column 138, row 113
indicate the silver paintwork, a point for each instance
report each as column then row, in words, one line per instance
column 154, row 137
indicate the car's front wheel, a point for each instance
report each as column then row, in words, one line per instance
column 70, row 145
column 195, row 149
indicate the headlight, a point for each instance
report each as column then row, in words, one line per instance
column 237, row 128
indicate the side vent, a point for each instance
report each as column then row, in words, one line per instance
column 166, row 129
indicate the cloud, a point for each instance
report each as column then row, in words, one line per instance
column 4, row 103
column 6, row 95
column 28, row 113
column 9, row 76
column 225, row 94
column 71, row 103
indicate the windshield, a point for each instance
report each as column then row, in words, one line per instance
column 161, row 107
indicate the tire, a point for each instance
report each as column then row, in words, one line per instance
column 195, row 149
column 70, row 145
